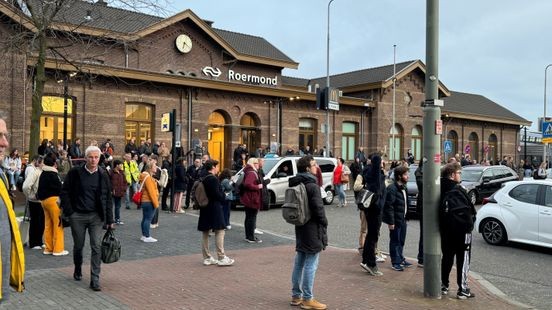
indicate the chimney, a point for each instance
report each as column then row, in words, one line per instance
column 101, row 2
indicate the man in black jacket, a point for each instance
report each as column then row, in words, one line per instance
column 394, row 215
column 456, row 220
column 86, row 200
column 310, row 238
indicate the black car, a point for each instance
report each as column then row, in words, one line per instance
column 483, row 181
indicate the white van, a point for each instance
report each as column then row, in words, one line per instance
column 279, row 169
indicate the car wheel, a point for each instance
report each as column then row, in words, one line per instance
column 473, row 197
column 329, row 197
column 493, row 232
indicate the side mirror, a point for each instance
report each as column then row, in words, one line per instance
column 486, row 179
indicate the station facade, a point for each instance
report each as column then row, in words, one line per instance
column 122, row 70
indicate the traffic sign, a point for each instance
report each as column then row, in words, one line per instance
column 447, row 145
column 467, row 149
column 166, row 122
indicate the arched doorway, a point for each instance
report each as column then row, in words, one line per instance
column 416, row 142
column 216, row 136
column 452, row 136
column 492, row 152
column 473, row 142
column 396, row 142
column 250, row 132
column 307, row 133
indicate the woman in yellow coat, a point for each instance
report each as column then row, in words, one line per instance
column 150, row 199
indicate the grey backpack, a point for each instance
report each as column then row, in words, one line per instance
column 296, row 205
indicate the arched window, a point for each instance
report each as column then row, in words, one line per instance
column 250, row 132
column 473, row 142
column 348, row 140
column 395, row 142
column 139, row 122
column 492, row 151
column 452, row 136
column 416, row 142
column 307, row 133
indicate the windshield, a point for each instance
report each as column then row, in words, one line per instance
column 471, row 175
column 268, row 164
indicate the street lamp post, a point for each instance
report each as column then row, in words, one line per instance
column 392, row 146
column 65, row 99
column 328, row 83
column 544, row 116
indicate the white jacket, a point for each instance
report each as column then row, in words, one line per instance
column 30, row 186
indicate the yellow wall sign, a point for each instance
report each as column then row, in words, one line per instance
column 166, row 122
column 546, row 140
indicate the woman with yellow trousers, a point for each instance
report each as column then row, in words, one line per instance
column 49, row 188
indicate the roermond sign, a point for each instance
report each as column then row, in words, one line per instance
column 249, row 78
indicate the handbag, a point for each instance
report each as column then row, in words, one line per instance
column 111, row 247
column 363, row 199
column 137, row 197
column 64, row 220
column 344, row 178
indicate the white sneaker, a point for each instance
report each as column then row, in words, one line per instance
column 181, row 211
column 142, row 238
column 154, row 225
column 229, row 227
column 38, row 247
column 380, row 259
column 62, row 253
column 226, row 261
column 258, row 232
column 149, row 240
column 210, row 261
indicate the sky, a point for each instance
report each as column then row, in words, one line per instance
column 495, row 48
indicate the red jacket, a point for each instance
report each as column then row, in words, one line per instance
column 251, row 195
column 337, row 175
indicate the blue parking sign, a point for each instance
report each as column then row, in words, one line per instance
column 447, row 145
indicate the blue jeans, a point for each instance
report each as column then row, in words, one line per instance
column 226, row 211
column 340, row 193
column 117, row 205
column 134, row 186
column 397, row 237
column 302, row 278
column 147, row 214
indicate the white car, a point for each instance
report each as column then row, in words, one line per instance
column 521, row 211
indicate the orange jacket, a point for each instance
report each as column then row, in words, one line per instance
column 150, row 192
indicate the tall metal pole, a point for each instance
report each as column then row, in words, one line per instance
column 432, row 157
column 392, row 146
column 328, row 83
column 544, row 116
column 65, row 103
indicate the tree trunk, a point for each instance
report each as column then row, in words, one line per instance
column 38, row 91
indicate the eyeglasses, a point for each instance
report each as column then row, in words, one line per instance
column 6, row 135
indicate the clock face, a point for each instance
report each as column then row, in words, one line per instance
column 183, row 43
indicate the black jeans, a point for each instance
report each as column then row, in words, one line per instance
column 188, row 193
column 36, row 225
column 165, row 195
column 373, row 218
column 250, row 223
column 80, row 222
column 421, row 241
column 459, row 246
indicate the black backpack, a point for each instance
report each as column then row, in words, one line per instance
column 454, row 216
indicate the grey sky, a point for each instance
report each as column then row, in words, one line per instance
column 496, row 48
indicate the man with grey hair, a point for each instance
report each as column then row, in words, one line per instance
column 11, row 248
column 86, row 200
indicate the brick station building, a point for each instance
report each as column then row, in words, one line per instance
column 123, row 70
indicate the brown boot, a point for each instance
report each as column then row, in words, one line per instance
column 312, row 304
column 296, row 301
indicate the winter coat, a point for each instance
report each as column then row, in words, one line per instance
column 251, row 194
column 311, row 237
column 150, row 191
column 419, row 173
column 394, row 210
column 118, row 183
column 49, row 183
column 180, row 183
column 72, row 187
column 17, row 255
column 459, row 200
column 30, row 185
column 374, row 180
column 211, row 216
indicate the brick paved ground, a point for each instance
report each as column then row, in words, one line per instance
column 169, row 275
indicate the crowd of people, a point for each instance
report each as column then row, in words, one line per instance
column 88, row 187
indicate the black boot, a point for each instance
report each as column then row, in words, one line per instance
column 77, row 274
